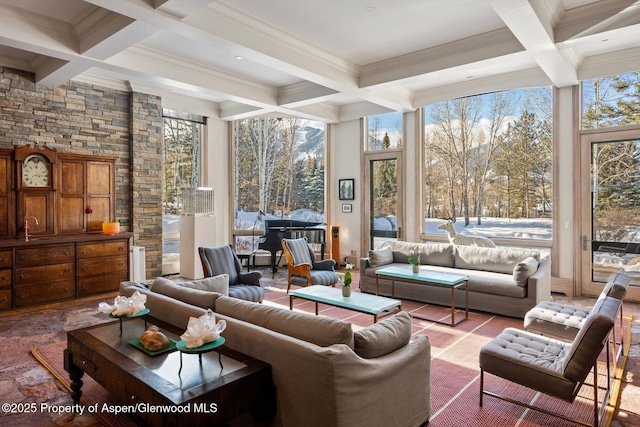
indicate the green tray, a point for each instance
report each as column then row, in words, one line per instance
column 137, row 344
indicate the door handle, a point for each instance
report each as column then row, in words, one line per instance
column 584, row 243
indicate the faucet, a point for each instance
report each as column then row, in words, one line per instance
column 26, row 226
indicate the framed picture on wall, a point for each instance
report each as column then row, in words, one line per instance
column 345, row 189
column 346, row 207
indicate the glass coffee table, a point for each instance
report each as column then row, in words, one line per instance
column 364, row 303
column 431, row 278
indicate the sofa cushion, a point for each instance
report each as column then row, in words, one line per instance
column 524, row 269
column 382, row 256
column 318, row 330
column 402, row 250
column 441, row 254
column 489, row 282
column 383, row 337
column 491, row 259
column 188, row 294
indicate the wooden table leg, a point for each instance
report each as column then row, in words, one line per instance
column 75, row 374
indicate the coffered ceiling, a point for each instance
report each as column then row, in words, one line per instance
column 328, row 60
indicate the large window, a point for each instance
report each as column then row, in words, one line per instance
column 181, row 168
column 611, row 101
column 488, row 166
column 610, row 182
column 384, row 131
column 278, row 174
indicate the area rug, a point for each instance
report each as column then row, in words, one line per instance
column 454, row 372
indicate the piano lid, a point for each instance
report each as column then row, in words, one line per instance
column 289, row 224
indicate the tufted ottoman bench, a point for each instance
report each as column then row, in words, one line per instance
column 563, row 321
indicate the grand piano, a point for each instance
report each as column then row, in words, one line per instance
column 277, row 229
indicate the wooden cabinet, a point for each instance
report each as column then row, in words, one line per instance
column 44, row 274
column 6, row 211
column 86, row 196
column 62, row 268
column 101, row 266
column 5, row 279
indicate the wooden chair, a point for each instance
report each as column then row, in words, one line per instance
column 303, row 269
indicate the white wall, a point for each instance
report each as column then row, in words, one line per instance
column 564, row 182
column 217, row 175
column 343, row 155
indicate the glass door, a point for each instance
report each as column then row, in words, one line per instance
column 611, row 209
column 383, row 197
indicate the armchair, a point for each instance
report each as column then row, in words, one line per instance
column 222, row 260
column 303, row 269
column 551, row 366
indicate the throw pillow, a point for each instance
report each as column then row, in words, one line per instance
column 441, row 254
column 219, row 284
column 523, row 270
column 382, row 256
column 383, row 337
column 197, row 297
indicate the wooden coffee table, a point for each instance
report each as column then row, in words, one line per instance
column 431, row 278
column 151, row 388
column 363, row 303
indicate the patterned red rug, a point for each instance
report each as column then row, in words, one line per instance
column 454, row 372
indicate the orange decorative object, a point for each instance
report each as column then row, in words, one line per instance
column 111, row 228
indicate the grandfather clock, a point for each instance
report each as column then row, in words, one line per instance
column 35, row 188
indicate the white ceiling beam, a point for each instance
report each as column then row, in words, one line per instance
column 514, row 80
column 527, row 25
column 180, row 8
column 270, row 47
column 461, row 52
column 596, row 18
column 303, row 93
column 609, row 64
column 231, row 110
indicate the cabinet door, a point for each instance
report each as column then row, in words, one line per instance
column 5, row 186
column 71, row 196
column 100, row 193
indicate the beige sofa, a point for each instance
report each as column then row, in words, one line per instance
column 325, row 374
column 502, row 281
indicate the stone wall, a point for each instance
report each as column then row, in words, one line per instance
column 146, row 171
column 85, row 119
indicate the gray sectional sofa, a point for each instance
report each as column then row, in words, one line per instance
column 508, row 282
column 325, row 374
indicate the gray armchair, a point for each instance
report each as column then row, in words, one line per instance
column 551, row 366
column 222, row 260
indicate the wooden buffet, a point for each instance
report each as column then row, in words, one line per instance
column 52, row 206
column 46, row 270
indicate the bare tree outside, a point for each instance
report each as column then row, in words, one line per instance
column 487, row 156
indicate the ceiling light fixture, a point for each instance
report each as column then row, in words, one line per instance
column 238, row 57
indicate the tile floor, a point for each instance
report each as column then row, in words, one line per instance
column 23, row 379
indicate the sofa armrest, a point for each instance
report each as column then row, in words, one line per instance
column 364, row 264
column 405, row 372
column 250, row 278
column 539, row 283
